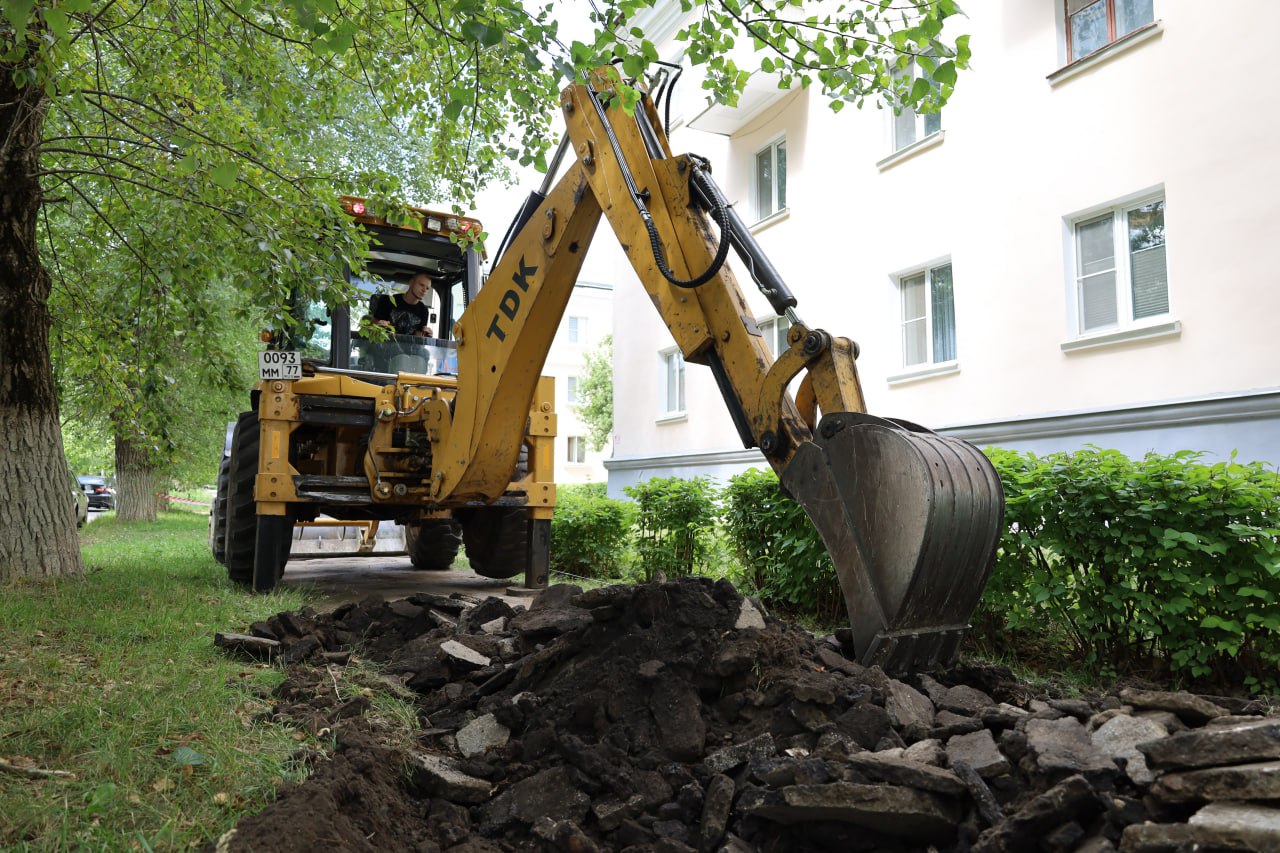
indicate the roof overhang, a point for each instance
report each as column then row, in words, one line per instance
column 761, row 93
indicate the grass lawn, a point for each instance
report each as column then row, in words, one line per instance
column 115, row 680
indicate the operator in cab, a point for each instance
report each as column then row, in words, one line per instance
column 406, row 313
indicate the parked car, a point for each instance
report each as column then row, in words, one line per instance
column 79, row 502
column 99, row 492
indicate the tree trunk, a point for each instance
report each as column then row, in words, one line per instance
column 136, row 481
column 37, row 527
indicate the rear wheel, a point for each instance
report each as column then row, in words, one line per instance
column 433, row 544
column 241, row 512
column 497, row 540
column 218, row 515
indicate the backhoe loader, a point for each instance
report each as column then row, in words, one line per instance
column 454, row 438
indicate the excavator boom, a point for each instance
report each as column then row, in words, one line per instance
column 463, row 455
column 911, row 519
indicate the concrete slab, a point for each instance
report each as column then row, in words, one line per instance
column 329, row 582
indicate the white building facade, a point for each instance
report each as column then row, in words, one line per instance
column 1072, row 253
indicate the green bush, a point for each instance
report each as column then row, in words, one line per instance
column 1154, row 563
column 589, row 532
column 782, row 556
column 675, row 519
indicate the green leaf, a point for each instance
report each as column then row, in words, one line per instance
column 1225, row 624
column 185, row 756
column 946, row 73
column 225, row 175
column 57, row 21
column 633, row 65
column 482, row 33
column 919, row 89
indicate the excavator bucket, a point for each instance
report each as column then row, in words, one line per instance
column 911, row 520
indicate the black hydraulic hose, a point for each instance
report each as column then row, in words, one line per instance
column 763, row 273
column 720, row 212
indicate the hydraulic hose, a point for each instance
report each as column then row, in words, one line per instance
column 719, row 211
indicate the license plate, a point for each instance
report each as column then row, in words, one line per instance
column 275, row 364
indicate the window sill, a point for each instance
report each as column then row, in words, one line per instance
column 930, row 371
column 1151, row 331
column 1104, row 54
column 933, row 140
column 673, row 418
column 770, row 220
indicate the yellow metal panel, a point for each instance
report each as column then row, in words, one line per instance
column 503, row 340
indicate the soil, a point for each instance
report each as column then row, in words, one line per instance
column 665, row 717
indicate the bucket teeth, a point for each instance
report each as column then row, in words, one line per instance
column 911, row 520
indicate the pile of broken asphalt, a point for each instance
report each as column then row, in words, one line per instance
column 677, row 717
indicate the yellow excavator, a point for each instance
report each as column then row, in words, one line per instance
column 452, row 436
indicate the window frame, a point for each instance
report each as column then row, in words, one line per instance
column 571, row 390
column 930, row 364
column 771, row 146
column 575, row 450
column 576, row 329
column 1126, row 324
column 1114, row 37
column 770, row 329
column 922, row 134
column 664, row 385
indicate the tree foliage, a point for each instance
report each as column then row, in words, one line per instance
column 185, row 159
column 853, row 51
column 595, row 393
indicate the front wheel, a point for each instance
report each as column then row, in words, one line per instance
column 497, row 541
column 244, row 542
column 241, row 511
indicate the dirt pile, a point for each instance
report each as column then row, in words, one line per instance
column 676, row 717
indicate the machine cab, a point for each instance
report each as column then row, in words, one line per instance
column 345, row 337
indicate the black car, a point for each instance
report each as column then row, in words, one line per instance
column 99, row 492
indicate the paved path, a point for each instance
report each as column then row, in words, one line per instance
column 330, row 581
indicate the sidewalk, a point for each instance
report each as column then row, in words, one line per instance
column 328, row 582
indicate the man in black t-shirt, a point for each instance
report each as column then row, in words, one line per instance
column 406, row 313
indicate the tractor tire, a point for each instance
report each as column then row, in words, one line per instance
column 433, row 544
column 218, row 515
column 497, row 541
column 241, row 512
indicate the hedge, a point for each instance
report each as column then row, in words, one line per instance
column 589, row 532
column 1163, row 564
column 674, row 523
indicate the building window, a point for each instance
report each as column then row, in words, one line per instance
column 770, row 178
column 1094, row 24
column 775, row 334
column 571, row 389
column 910, row 126
column 928, row 316
column 672, row 383
column 1120, row 272
column 577, row 450
column 577, row 330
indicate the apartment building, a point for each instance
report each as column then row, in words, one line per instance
column 587, row 320
column 1073, row 252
